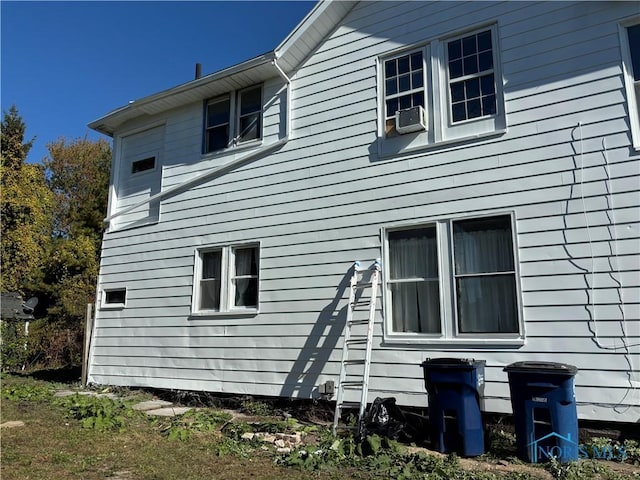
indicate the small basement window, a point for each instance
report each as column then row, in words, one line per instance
column 143, row 165
column 115, row 297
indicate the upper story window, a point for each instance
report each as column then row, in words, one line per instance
column 453, row 279
column 233, row 119
column 446, row 90
column 226, row 279
column 404, row 86
column 630, row 41
column 472, row 86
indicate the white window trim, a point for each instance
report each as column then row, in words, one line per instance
column 227, row 292
column 116, row 174
column 232, row 106
column 634, row 115
column 112, row 306
column 236, row 136
column 449, row 335
column 234, row 122
column 440, row 133
column 155, row 155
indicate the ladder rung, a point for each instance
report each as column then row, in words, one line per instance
column 357, row 341
column 359, row 303
column 346, row 404
column 353, row 384
column 362, row 284
column 354, row 362
column 364, row 321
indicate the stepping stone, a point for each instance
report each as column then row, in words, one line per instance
column 12, row 424
column 64, row 393
column 168, row 411
column 69, row 393
column 151, row 405
column 112, row 396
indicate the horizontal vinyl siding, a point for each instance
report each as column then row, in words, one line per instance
column 318, row 204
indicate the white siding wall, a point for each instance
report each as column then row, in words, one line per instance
column 565, row 167
column 133, row 188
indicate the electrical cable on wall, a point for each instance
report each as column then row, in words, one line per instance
column 611, row 210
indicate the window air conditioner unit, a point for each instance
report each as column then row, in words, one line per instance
column 411, row 119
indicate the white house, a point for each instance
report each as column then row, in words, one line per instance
column 503, row 200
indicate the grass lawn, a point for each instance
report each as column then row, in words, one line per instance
column 88, row 438
column 52, row 446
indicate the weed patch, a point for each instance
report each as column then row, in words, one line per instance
column 98, row 413
column 607, row 449
column 26, row 391
column 181, row 428
column 257, row 408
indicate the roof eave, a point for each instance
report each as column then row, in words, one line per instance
column 104, row 123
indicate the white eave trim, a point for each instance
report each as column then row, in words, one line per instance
column 291, row 48
column 133, row 108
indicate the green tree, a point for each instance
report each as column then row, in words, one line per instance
column 25, row 209
column 78, row 176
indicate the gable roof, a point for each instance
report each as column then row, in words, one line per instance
column 289, row 54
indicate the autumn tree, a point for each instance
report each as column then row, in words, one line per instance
column 78, row 176
column 51, row 234
column 26, row 209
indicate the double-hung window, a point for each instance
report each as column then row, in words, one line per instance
column 452, row 279
column 472, row 86
column 630, row 42
column 233, row 119
column 403, row 86
column 457, row 82
column 226, row 279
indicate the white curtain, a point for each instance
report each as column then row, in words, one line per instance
column 246, row 265
column 210, row 282
column 415, row 303
column 485, row 278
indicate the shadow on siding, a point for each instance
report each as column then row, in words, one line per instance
column 322, row 340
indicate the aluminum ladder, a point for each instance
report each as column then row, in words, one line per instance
column 357, row 359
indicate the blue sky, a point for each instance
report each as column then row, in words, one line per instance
column 65, row 64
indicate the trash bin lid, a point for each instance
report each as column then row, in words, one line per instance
column 453, row 362
column 542, row 367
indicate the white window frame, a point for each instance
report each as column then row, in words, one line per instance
column 627, row 71
column 113, row 306
column 236, row 137
column 147, row 171
column 222, row 98
column 235, row 103
column 441, row 131
column 449, row 334
column 227, row 275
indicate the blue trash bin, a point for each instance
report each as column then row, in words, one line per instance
column 544, row 410
column 455, row 387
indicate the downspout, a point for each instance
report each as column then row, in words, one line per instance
column 227, row 166
column 287, row 126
